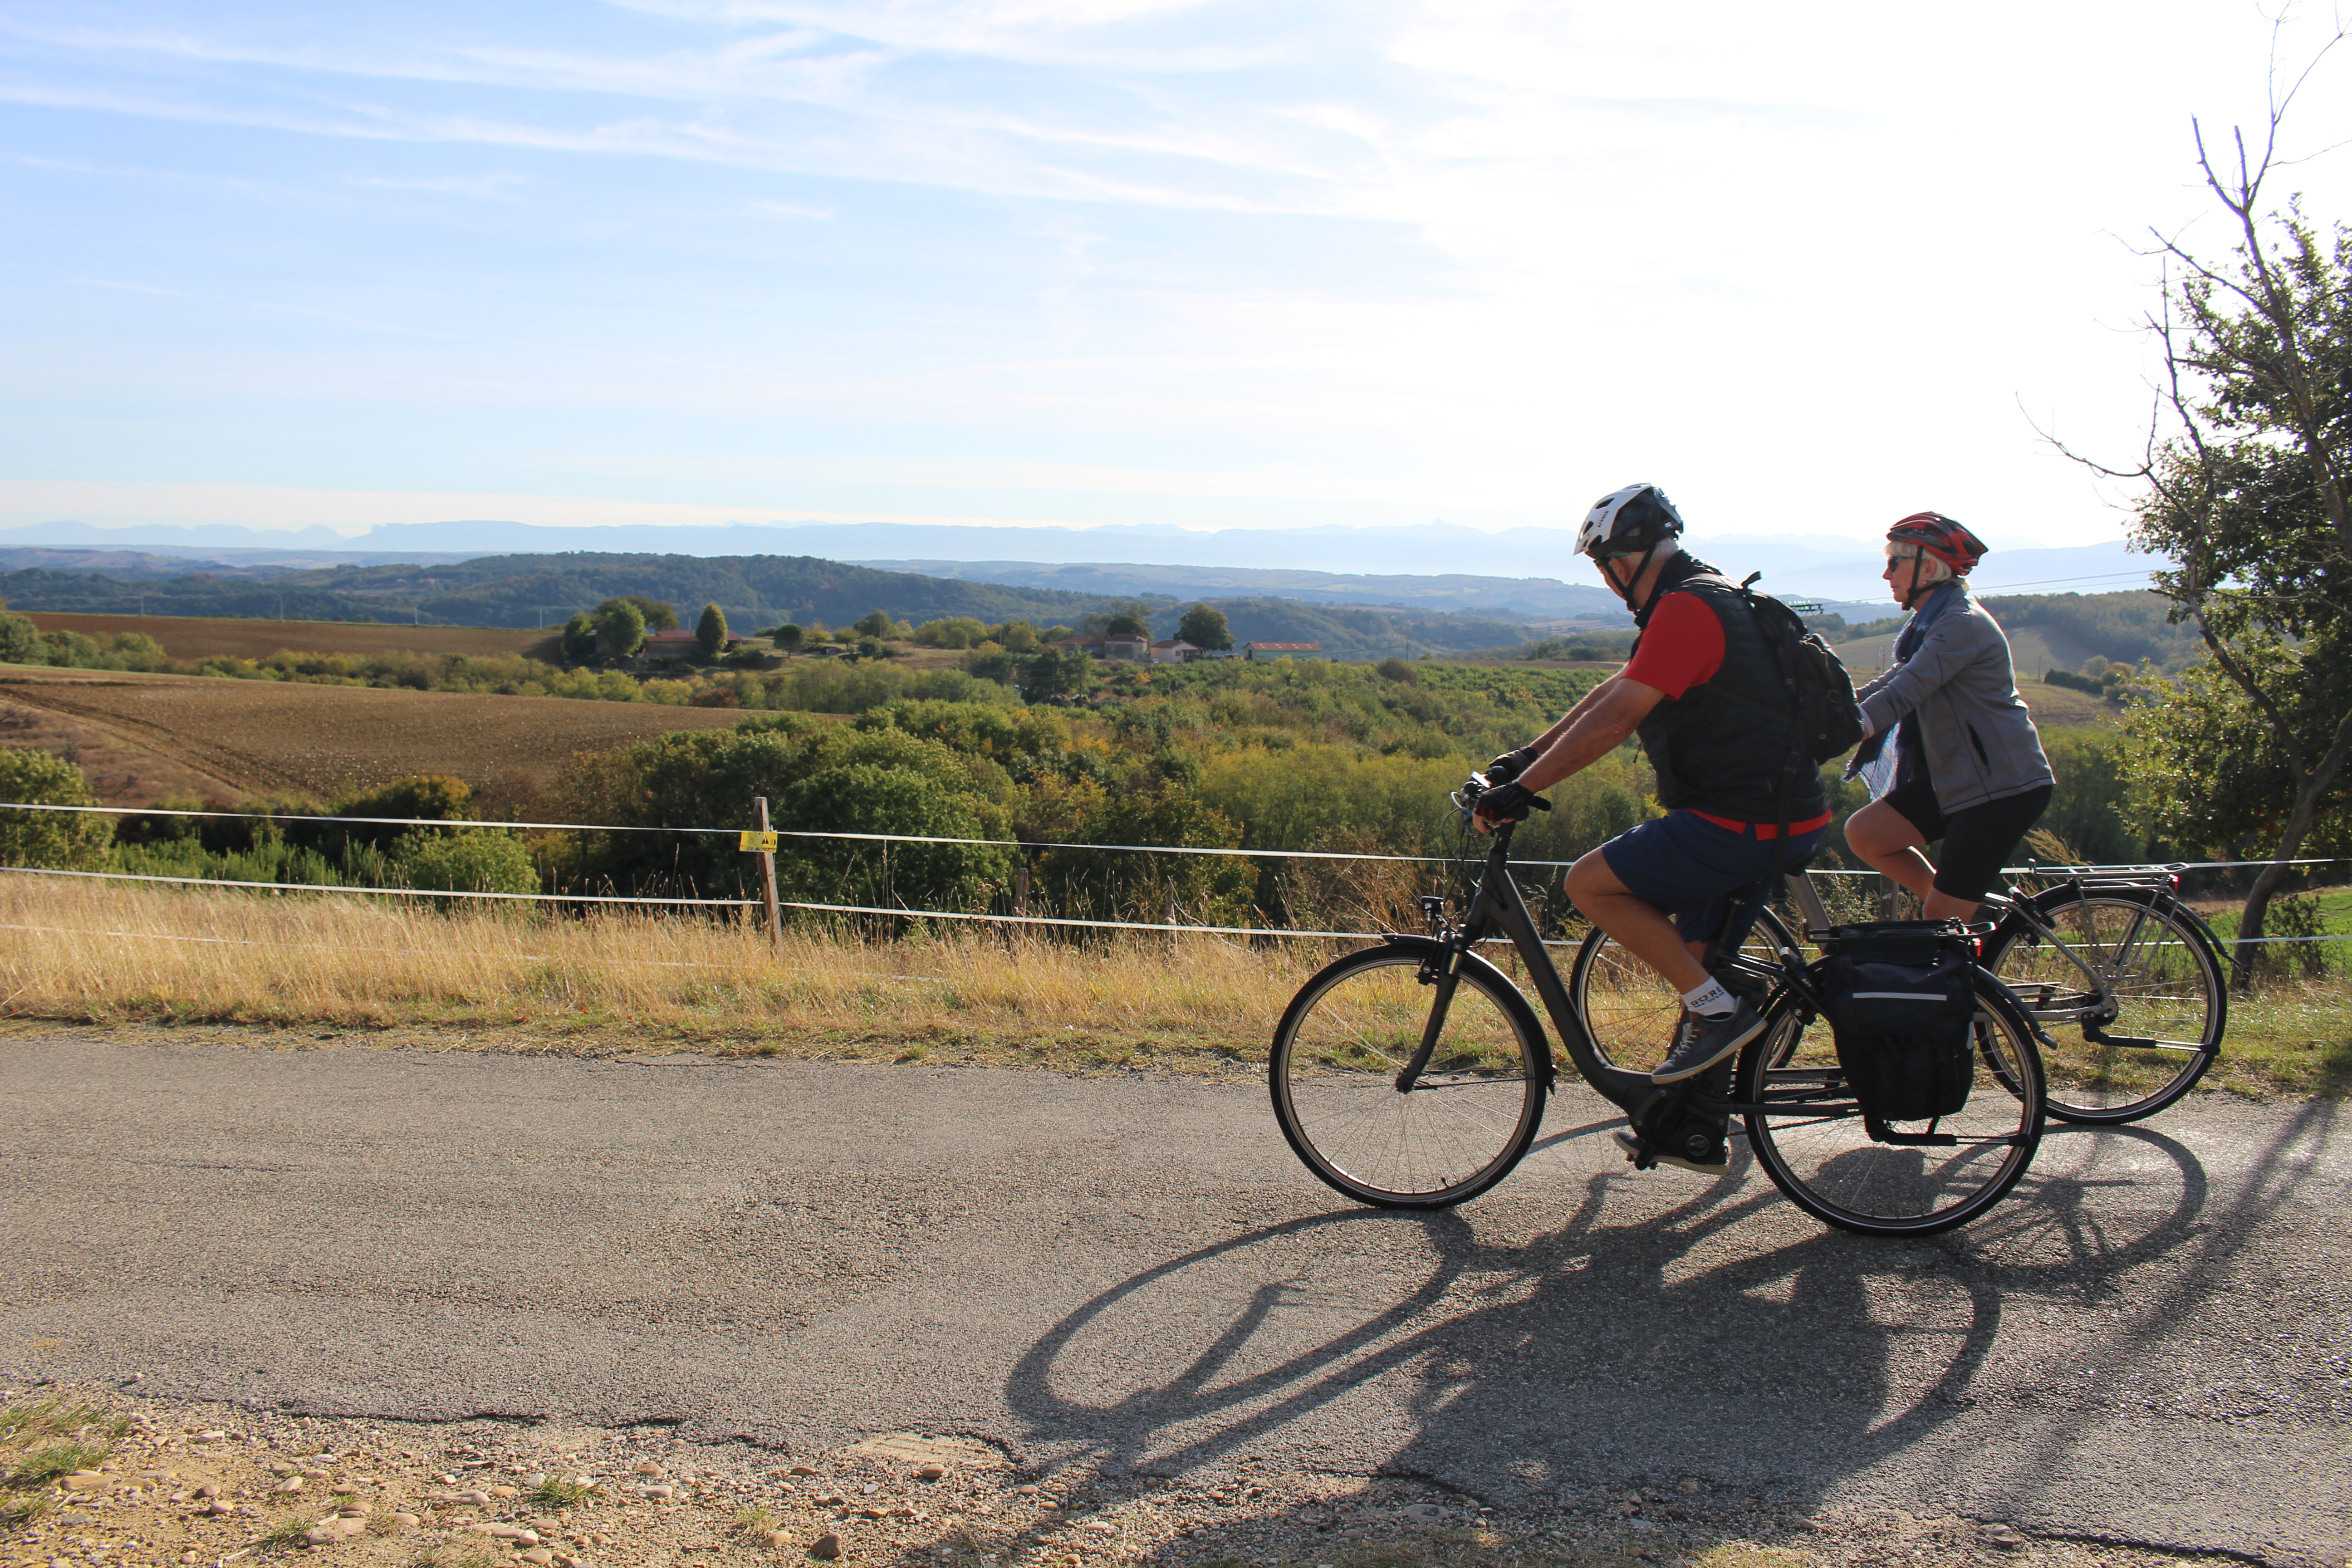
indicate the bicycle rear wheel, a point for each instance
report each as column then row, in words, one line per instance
column 2170, row 997
column 1469, row 1119
column 1810, row 1138
column 1629, row 1011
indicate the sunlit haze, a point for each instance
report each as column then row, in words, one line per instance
column 1103, row 261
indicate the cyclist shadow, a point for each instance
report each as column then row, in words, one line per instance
column 1723, row 1337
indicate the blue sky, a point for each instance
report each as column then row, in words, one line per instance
column 1097, row 261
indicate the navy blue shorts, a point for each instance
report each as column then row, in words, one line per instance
column 1689, row 867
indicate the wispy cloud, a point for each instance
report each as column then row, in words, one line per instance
column 1464, row 247
column 790, row 210
column 485, row 187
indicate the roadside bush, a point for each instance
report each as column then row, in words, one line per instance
column 817, row 776
column 476, row 860
column 55, row 841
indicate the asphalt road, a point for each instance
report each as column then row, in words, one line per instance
column 2146, row 1343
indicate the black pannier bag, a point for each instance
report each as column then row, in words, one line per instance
column 1901, row 1000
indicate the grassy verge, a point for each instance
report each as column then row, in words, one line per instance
column 343, row 967
column 92, row 953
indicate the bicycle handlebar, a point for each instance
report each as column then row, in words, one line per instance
column 1476, row 785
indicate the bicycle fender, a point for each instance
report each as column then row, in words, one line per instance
column 1522, row 1010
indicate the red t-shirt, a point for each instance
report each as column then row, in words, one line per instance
column 1681, row 648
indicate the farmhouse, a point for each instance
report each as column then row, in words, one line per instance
column 1283, row 650
column 1173, row 650
column 677, row 643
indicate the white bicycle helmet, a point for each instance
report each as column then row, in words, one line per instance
column 1628, row 521
column 1631, row 522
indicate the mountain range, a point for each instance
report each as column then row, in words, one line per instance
column 1525, row 572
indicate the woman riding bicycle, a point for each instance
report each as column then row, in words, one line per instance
column 1969, row 763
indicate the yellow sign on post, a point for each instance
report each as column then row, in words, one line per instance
column 759, row 844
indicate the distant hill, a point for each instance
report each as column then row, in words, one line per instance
column 1353, row 631
column 1808, row 566
column 527, row 590
column 1513, row 598
column 754, row 591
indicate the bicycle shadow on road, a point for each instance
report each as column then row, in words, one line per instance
column 1719, row 1335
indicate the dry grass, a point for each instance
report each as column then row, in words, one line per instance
column 101, row 953
column 518, row 979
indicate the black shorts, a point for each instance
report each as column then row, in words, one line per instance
column 1978, row 841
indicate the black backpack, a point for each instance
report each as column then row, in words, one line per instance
column 1900, row 996
column 1812, row 674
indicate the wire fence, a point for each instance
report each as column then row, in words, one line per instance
column 908, row 912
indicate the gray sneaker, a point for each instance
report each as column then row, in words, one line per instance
column 1706, row 1041
column 1632, row 1147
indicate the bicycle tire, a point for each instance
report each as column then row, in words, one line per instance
column 2170, row 988
column 1817, row 1150
column 1628, row 1010
column 1469, row 1120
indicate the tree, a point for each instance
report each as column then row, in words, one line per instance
column 2247, row 493
column 788, row 638
column 2206, row 767
column 951, row 631
column 60, row 840
column 874, row 624
column 577, row 642
column 622, row 626
column 1132, row 618
column 1203, row 625
column 1053, row 673
column 710, row 631
column 659, row 616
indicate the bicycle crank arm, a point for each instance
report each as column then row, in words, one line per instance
column 2098, row 1036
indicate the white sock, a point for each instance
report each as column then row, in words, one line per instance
column 1711, row 1000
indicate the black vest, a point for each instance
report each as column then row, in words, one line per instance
column 1726, row 746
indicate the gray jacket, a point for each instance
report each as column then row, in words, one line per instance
column 1980, row 740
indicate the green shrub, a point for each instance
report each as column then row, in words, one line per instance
column 55, row 841
column 476, row 860
column 20, row 641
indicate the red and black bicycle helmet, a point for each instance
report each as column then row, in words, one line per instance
column 1940, row 537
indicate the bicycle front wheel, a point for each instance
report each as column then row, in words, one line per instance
column 2170, row 1003
column 1463, row 1125
column 1810, row 1136
column 1630, row 1011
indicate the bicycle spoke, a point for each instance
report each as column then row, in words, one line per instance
column 2162, row 987
column 1460, row 1127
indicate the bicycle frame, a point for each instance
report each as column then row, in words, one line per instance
column 2095, row 1014
column 1498, row 903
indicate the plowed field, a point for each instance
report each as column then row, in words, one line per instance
column 195, row 636
column 269, row 738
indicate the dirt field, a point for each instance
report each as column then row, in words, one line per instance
column 156, row 731
column 193, row 636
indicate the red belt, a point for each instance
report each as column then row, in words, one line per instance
column 1762, row 829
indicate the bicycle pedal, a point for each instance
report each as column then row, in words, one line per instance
column 1637, row 1149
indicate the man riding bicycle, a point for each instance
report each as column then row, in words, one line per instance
column 1702, row 693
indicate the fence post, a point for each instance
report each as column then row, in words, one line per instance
column 768, row 875
column 1889, row 892
column 1021, row 890
column 1172, row 917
